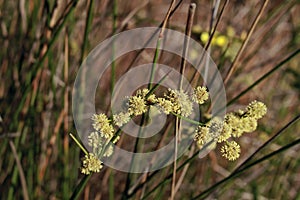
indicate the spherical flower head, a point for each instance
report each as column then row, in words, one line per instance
column 221, row 41
column 101, row 124
column 121, row 118
column 204, row 37
column 90, row 163
column 202, row 136
column 136, row 105
column 256, row 110
column 99, row 121
column 231, row 150
column 233, row 121
column 200, row 95
column 225, row 133
column 181, row 103
column 165, row 106
column 94, row 140
column 215, row 127
column 248, row 124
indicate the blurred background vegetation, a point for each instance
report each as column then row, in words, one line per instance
column 43, row 43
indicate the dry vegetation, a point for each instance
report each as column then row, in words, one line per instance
column 43, row 44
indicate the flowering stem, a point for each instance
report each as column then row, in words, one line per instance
column 78, row 143
column 187, row 119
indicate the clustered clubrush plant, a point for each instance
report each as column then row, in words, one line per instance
column 180, row 104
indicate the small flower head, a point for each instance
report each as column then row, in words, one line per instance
column 233, row 121
column 121, row 118
column 248, row 124
column 181, row 103
column 221, row 41
column 202, row 136
column 231, row 150
column 94, row 140
column 256, row 110
column 204, row 37
column 136, row 105
column 215, row 127
column 200, row 95
column 90, row 163
column 165, row 106
column 101, row 124
column 225, row 133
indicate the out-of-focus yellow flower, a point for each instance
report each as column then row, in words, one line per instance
column 243, row 35
column 204, row 37
column 196, row 29
column 221, row 41
column 230, row 32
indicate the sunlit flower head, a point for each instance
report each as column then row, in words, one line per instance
column 231, row 150
column 90, row 163
column 181, row 103
column 200, row 95
column 256, row 110
column 225, row 133
column 94, row 140
column 221, row 41
column 202, row 136
column 165, row 106
column 248, row 124
column 101, row 124
column 215, row 127
column 136, row 105
column 233, row 121
column 121, row 118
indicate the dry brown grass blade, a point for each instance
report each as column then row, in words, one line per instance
column 21, row 172
column 190, row 21
column 241, row 50
column 66, row 95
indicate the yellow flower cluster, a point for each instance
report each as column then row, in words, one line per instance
column 234, row 125
column 90, row 163
column 102, row 124
column 174, row 101
column 200, row 95
column 218, row 40
column 181, row 104
column 121, row 118
column 231, row 150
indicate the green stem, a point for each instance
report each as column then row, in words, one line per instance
column 78, row 143
column 80, row 187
